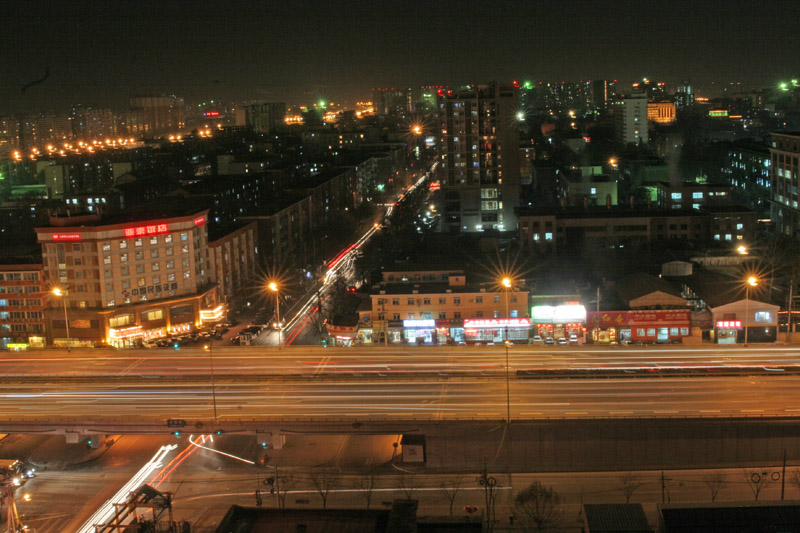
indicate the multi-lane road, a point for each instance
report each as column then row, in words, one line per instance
column 391, row 384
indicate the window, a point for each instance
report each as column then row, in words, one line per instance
column 651, row 332
column 496, row 298
column 76, row 247
column 426, row 301
column 123, row 245
column 122, row 257
column 514, row 313
column 763, row 316
column 154, row 254
column 442, row 315
column 157, row 280
column 426, row 315
column 184, row 236
column 395, row 301
column 478, row 314
column 673, row 332
column 548, row 236
column 111, row 303
column 640, row 332
column 411, row 301
column 153, row 314
column 170, row 277
column 457, row 300
column 676, row 196
column 140, row 269
column 169, row 251
column 156, row 267
column 442, row 300
column 110, row 287
column 187, row 275
column 684, row 331
column 168, row 238
column 137, row 242
column 107, row 259
column 125, row 271
column 396, row 316
column 126, row 284
column 154, row 240
column 140, row 282
column 411, row 316
column 106, row 246
column 479, row 299
column 185, row 248
column 139, row 255
column 170, row 264
column 496, row 314
column 457, row 315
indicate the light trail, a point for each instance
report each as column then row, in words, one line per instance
column 106, row 511
column 219, row 452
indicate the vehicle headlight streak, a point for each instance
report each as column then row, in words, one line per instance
column 106, row 511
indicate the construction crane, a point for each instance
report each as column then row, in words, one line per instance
column 7, row 489
column 126, row 518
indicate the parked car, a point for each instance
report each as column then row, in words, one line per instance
column 549, row 340
column 537, row 339
column 573, row 339
column 562, row 341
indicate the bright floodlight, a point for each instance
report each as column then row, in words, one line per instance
column 742, row 249
column 507, row 283
column 273, row 286
column 417, row 129
column 752, row 281
column 520, row 115
column 57, row 292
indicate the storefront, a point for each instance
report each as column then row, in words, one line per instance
column 497, row 329
column 646, row 326
column 558, row 321
column 726, row 331
column 420, row 331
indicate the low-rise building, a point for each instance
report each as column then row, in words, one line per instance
column 693, row 195
column 233, row 259
column 22, row 304
column 439, row 312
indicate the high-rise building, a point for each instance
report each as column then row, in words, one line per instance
column 156, row 115
column 479, row 149
column 653, row 90
column 630, row 119
column 93, row 123
column 684, row 96
column 785, row 152
column 265, row 118
column 392, row 100
column 603, row 93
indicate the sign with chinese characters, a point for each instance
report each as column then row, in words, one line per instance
column 497, row 323
column 729, row 324
column 150, row 229
column 660, row 317
column 66, row 236
column 199, row 221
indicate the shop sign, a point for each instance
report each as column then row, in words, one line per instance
column 419, row 323
column 80, row 324
column 728, row 324
column 66, row 236
column 140, row 231
column 341, row 332
column 497, row 323
column 559, row 314
column 662, row 317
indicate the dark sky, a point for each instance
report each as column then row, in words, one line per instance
column 276, row 50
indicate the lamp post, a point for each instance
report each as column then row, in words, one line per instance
column 274, row 288
column 507, row 282
column 62, row 293
column 207, row 348
column 752, row 281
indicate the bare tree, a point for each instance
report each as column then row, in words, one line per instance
column 451, row 490
column 324, row 481
column 629, row 484
column 714, row 482
column 538, row 508
column 283, row 486
column 758, row 481
column 365, row 485
column 408, row 484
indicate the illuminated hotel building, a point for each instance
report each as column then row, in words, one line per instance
column 661, row 112
column 127, row 277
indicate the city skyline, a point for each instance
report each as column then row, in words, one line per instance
column 338, row 51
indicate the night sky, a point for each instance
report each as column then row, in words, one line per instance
column 339, row 50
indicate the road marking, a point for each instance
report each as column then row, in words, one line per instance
column 621, row 412
column 576, row 413
column 666, row 412
column 791, row 409
column 752, row 410
column 709, row 410
column 530, row 414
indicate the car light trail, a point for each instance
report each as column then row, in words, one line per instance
column 191, row 439
column 106, row 511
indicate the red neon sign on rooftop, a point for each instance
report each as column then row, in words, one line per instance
column 66, row 236
column 151, row 229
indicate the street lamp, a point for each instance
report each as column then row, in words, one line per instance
column 274, row 288
column 752, row 281
column 507, row 283
column 742, row 249
column 62, row 293
column 207, row 348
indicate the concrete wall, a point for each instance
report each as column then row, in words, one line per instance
column 597, row 445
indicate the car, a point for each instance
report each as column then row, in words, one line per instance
column 573, row 339
column 562, row 341
column 537, row 339
column 235, row 339
column 549, row 340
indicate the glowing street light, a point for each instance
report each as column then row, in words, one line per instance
column 274, row 288
column 62, row 293
column 416, row 129
column 742, row 249
column 520, row 115
column 751, row 281
column 507, row 283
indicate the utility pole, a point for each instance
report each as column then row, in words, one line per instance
column 783, row 475
column 791, row 306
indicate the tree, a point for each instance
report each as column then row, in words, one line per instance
column 451, row 490
column 537, row 508
column 365, row 485
column 757, row 482
column 714, row 482
column 283, row 486
column 408, row 484
column 796, row 479
column 325, row 481
column 628, row 484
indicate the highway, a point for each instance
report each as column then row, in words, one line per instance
column 461, row 383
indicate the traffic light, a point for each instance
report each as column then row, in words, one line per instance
column 176, row 433
column 89, row 443
column 176, row 346
column 264, row 445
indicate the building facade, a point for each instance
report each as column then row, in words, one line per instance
column 630, row 119
column 479, row 149
column 265, row 118
column 233, row 259
column 22, row 306
column 125, row 279
column 785, row 167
